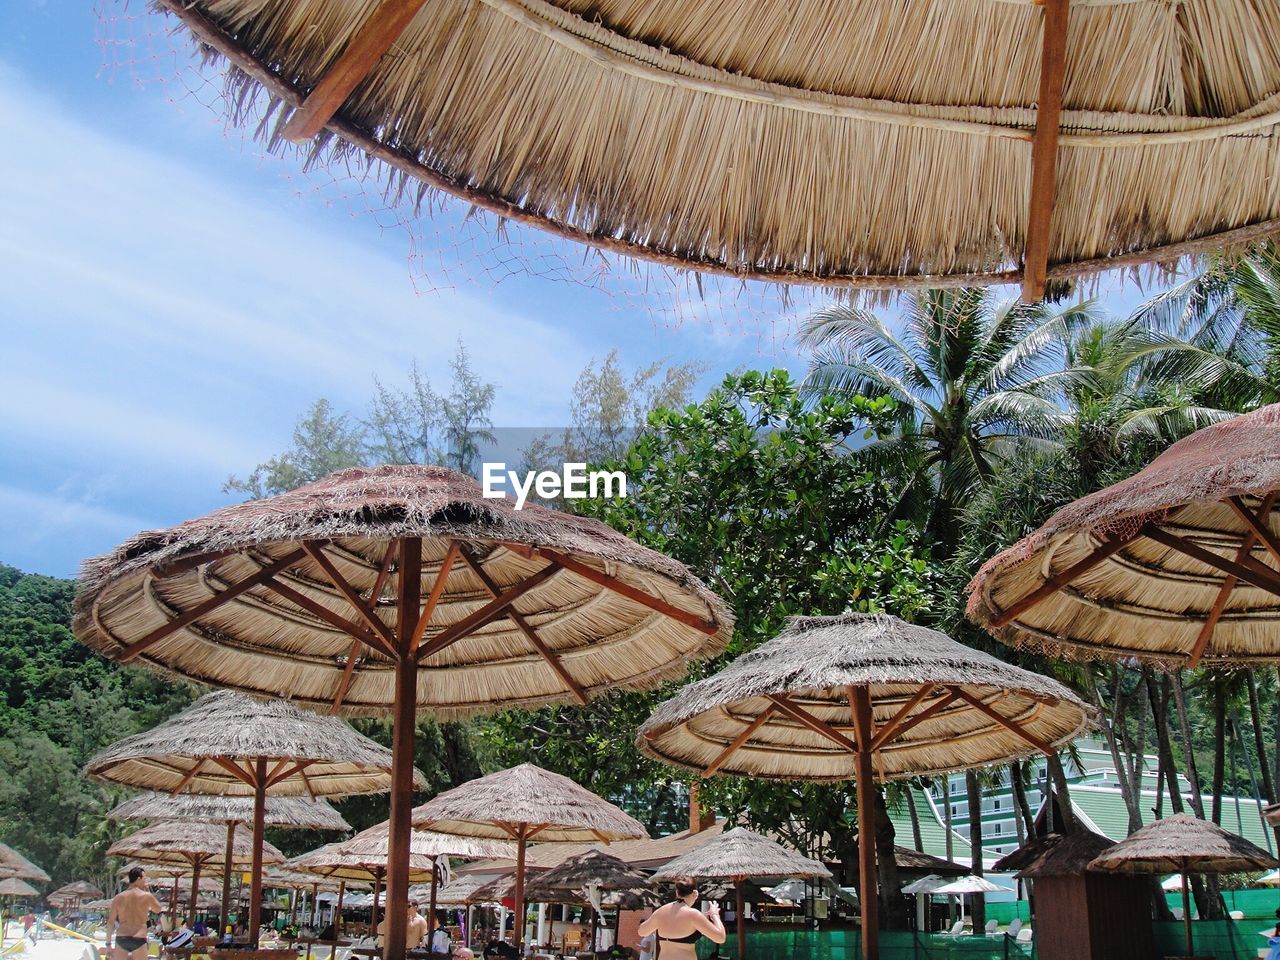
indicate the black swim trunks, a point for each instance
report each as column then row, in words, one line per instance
column 130, row 944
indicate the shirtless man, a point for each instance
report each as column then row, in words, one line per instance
column 127, row 922
column 416, row 928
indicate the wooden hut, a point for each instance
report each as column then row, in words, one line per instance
column 1082, row 915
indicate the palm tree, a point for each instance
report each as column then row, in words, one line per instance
column 971, row 378
column 1229, row 313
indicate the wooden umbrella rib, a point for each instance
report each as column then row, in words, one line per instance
column 209, row 605
column 1257, row 526
column 306, row 782
column 1053, row 584
column 928, row 713
column 433, row 598
column 366, row 614
column 490, row 611
column 588, row 572
column 1250, row 571
column 293, row 771
column 188, row 776
column 1044, row 150
column 347, row 670
column 319, row 610
column 373, row 39
column 526, row 628
column 805, row 718
column 740, row 739
column 1013, row 727
column 271, row 774
column 244, row 776
column 898, row 719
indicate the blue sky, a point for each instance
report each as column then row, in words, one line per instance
column 171, row 300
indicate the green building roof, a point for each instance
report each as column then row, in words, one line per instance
column 1104, row 809
column 933, row 833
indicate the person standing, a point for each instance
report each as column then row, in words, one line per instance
column 679, row 924
column 127, row 920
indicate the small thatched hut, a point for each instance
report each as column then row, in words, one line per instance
column 1081, row 915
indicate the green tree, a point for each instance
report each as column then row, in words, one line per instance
column 323, row 441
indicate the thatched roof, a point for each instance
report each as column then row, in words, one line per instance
column 456, row 893
column 16, row 887
column 375, row 842
column 1183, row 844
column 813, row 663
column 1055, row 855
column 284, row 878
column 14, row 864
column 76, row 890
column 914, row 861
column 298, row 813
column 739, row 853
column 592, row 868
column 231, row 726
column 1145, row 597
column 524, row 795
column 785, row 142
column 330, row 861
column 580, row 580
column 174, row 841
column 162, row 871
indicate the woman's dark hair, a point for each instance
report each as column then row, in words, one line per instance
column 684, row 886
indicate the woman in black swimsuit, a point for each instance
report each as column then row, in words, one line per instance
column 680, row 924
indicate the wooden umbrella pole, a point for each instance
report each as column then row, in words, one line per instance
column 337, row 914
column 402, row 745
column 373, row 915
column 431, row 919
column 870, row 898
column 259, row 825
column 225, row 920
column 517, row 934
column 740, row 918
column 1186, row 910
column 173, row 899
column 195, row 890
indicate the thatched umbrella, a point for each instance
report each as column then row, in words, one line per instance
column 69, row 896
column 459, row 891
column 789, row 143
column 502, row 607
column 195, row 846
column 229, row 744
column 15, row 887
column 296, row 813
column 1175, row 565
column 297, row 880
column 523, row 803
column 590, row 877
column 14, row 864
column 1184, row 844
column 863, row 696
column 737, row 855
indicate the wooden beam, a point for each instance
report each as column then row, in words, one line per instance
column 588, row 572
column 869, row 891
column 1044, row 150
column 490, row 611
column 384, row 572
column 1257, row 525
column 373, row 39
column 279, row 776
column 347, row 670
column 187, row 778
column 241, row 774
column 433, row 598
column 365, row 613
column 928, row 713
column 526, row 628
column 899, row 718
column 1250, row 571
column 1010, row 725
column 319, row 610
column 1224, row 592
column 208, row 606
column 740, row 739
column 807, row 719
column 1059, row 580
column 306, row 782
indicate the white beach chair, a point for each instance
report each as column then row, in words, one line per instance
column 1015, row 927
column 957, row 929
column 991, row 927
column 1024, row 935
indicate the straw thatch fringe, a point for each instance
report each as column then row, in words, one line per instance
column 527, row 794
column 1055, row 855
column 295, row 813
column 456, row 893
column 261, row 643
column 815, row 660
column 739, row 853
column 790, row 149
column 592, row 868
column 329, row 861
column 373, row 845
column 14, row 864
column 14, row 887
column 1146, row 600
column 178, row 841
column 231, row 726
column 76, row 890
column 1183, row 842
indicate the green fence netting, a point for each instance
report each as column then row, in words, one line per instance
column 845, row 945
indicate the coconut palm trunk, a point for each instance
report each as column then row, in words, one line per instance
column 974, row 791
